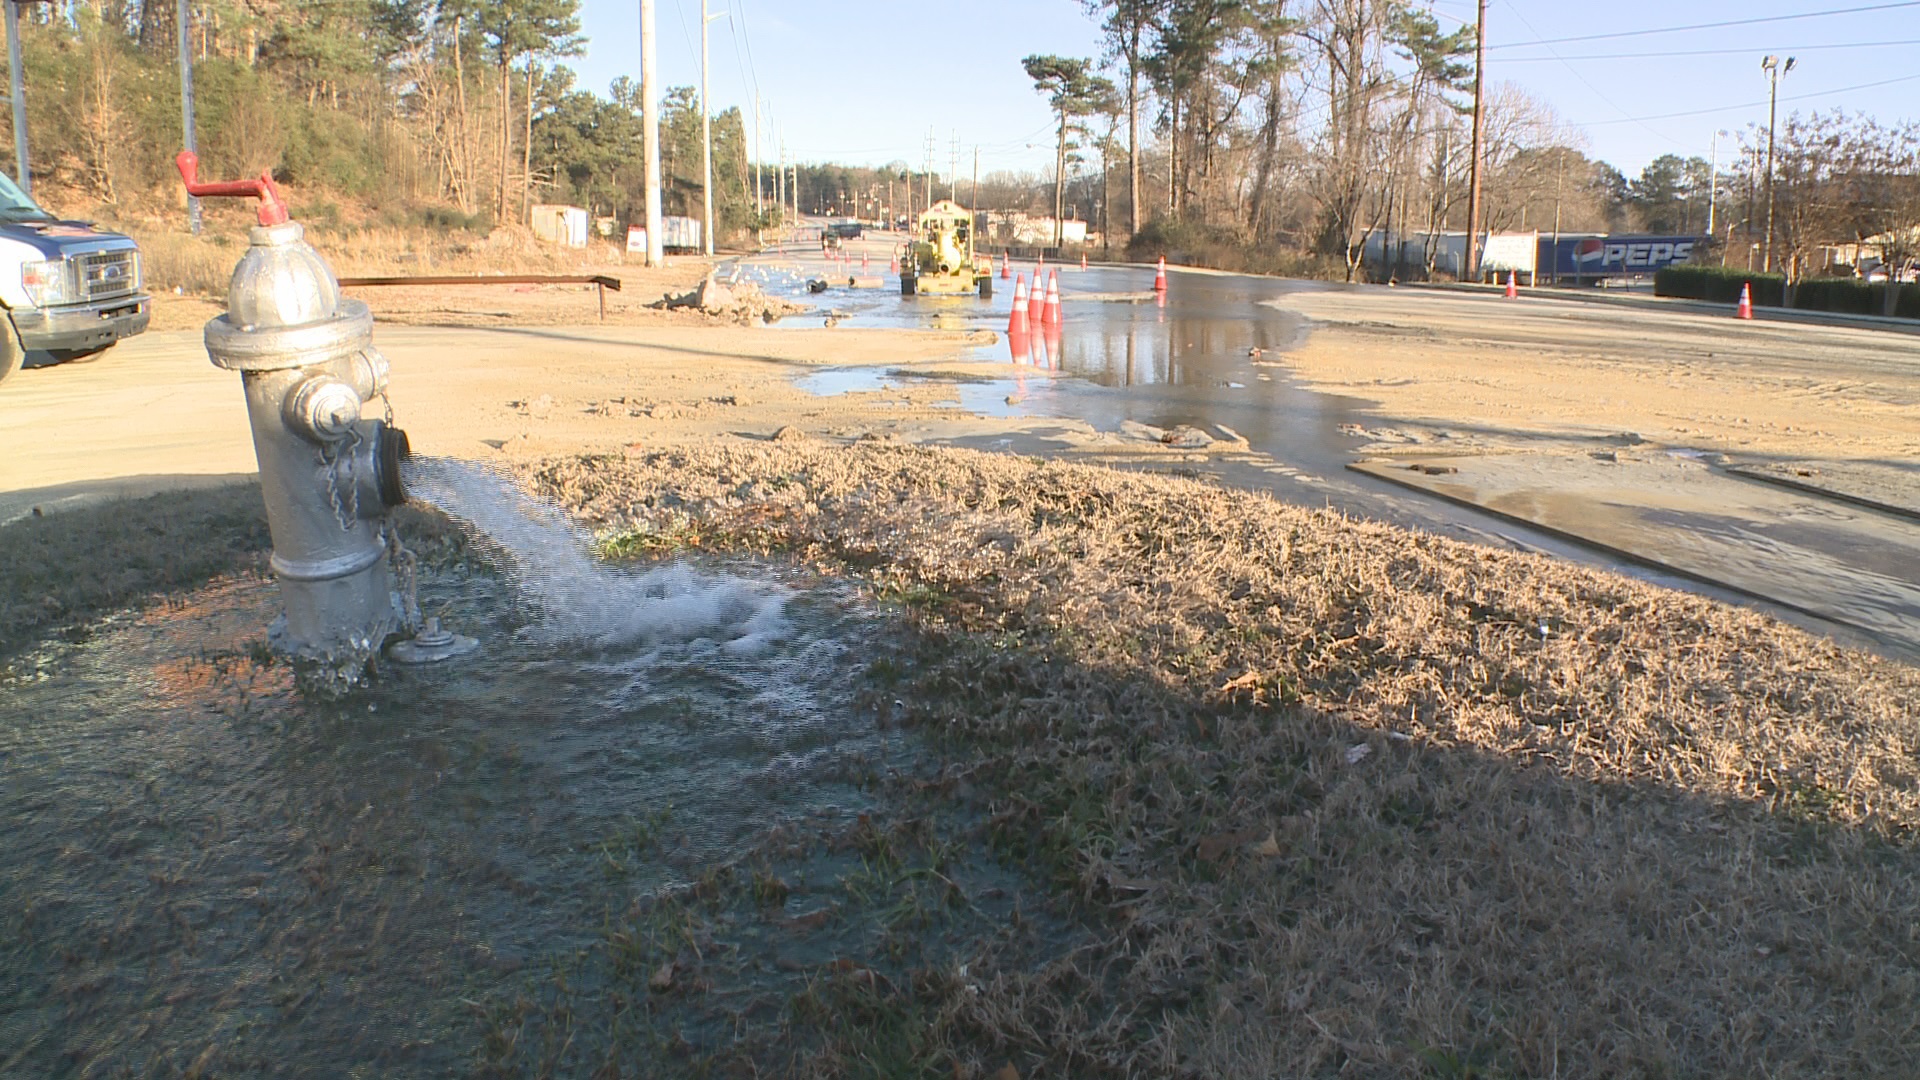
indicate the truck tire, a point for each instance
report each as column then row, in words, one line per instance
column 11, row 354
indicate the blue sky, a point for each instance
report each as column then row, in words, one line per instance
column 840, row 77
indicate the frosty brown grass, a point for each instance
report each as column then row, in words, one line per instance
column 1343, row 798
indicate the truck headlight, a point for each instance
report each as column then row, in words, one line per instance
column 48, row 284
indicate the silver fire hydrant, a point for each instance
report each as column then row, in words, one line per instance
column 330, row 475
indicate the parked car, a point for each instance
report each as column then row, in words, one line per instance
column 1877, row 271
column 69, row 289
column 847, row 230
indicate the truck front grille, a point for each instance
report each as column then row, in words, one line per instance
column 105, row 274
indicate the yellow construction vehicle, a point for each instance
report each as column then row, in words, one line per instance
column 940, row 260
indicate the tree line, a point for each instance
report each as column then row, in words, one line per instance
column 449, row 110
column 1272, row 134
column 1309, row 126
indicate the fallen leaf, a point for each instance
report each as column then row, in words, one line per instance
column 1219, row 845
column 810, row 920
column 1007, row 1072
column 1357, row 753
column 1268, row 848
column 1251, row 678
column 662, row 979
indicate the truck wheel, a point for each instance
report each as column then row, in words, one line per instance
column 986, row 288
column 11, row 354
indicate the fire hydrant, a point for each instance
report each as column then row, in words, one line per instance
column 330, row 476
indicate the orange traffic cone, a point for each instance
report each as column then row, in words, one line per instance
column 893, row 264
column 1037, row 303
column 863, row 262
column 1017, row 318
column 1053, row 300
column 1513, row 288
column 1006, row 266
column 1083, row 260
column 1160, row 276
column 1745, row 310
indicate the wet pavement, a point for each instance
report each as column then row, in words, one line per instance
column 1210, row 355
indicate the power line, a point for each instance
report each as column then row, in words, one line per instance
column 1708, row 52
column 1578, row 74
column 1708, row 26
column 1755, row 104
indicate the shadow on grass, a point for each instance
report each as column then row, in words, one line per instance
column 1109, row 845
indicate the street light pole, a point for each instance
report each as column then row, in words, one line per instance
column 650, row 120
column 1774, row 69
column 1473, row 180
column 706, row 134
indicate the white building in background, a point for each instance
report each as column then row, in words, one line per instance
column 563, row 225
column 1020, row 230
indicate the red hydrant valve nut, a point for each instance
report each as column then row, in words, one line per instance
column 273, row 211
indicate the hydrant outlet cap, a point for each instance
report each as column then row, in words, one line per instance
column 393, row 450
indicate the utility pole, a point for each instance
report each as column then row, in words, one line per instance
column 650, row 112
column 929, row 180
column 1713, row 179
column 1473, row 180
column 706, row 134
column 17, row 92
column 1559, row 183
column 188, row 140
column 1774, row 69
column 759, row 214
column 976, row 180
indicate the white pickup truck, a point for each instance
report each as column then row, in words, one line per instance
column 68, row 289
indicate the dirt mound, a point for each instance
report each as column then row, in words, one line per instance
column 731, row 301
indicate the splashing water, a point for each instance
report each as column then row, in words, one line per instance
column 581, row 600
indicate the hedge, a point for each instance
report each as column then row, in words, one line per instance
column 1721, row 284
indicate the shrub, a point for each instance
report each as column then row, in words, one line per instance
column 1721, row 284
column 1223, row 248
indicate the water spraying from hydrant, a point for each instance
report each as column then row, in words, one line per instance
column 330, row 476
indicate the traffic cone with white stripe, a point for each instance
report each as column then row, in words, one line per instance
column 1017, row 318
column 1160, row 276
column 1513, row 286
column 1745, row 310
column 1053, row 300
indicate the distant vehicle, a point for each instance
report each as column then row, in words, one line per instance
column 1877, row 272
column 940, row 260
column 846, row 230
column 69, row 289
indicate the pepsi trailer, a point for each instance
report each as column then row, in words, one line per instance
column 1588, row 259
